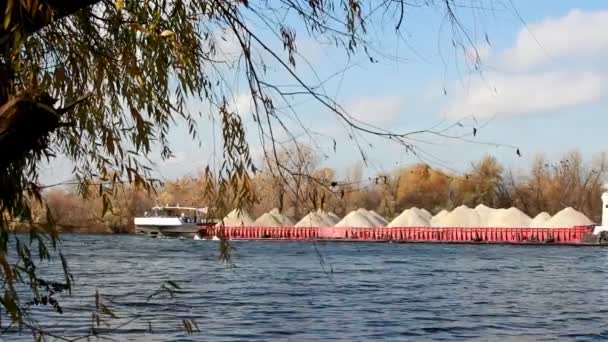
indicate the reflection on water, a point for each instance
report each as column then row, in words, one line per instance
column 285, row 291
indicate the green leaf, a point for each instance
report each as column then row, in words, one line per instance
column 7, row 20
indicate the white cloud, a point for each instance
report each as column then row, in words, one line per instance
column 242, row 105
column 533, row 80
column 379, row 110
column 526, row 94
column 577, row 34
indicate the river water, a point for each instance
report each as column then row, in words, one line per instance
column 296, row 291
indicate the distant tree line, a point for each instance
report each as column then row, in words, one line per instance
column 545, row 186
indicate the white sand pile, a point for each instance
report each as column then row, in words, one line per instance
column 462, row 216
column 382, row 222
column 539, row 220
column 485, row 213
column 334, row 217
column 410, row 218
column 568, row 218
column 355, row 219
column 425, row 213
column 328, row 219
column 376, row 219
column 314, row 219
column 237, row 217
column 422, row 213
column 284, row 219
column 267, row 220
column 435, row 219
column 508, row 218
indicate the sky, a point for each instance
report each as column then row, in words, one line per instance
column 541, row 89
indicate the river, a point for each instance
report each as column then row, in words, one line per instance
column 296, row 291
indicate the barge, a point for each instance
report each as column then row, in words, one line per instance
column 581, row 235
column 171, row 221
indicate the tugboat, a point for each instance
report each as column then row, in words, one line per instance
column 172, row 221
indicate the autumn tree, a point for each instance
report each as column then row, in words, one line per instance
column 423, row 186
column 484, row 184
column 387, row 191
column 291, row 170
column 352, row 193
column 128, row 202
column 269, row 191
column 570, row 182
column 71, row 213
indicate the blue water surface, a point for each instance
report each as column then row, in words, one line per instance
column 302, row 291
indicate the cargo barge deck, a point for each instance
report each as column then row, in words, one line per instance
column 579, row 236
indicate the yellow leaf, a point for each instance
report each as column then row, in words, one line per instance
column 7, row 20
column 140, row 80
column 8, row 13
column 167, row 33
column 119, row 4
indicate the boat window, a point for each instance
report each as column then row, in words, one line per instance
column 192, row 214
column 160, row 213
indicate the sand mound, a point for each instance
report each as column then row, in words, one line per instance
column 485, row 213
column 567, row 218
column 425, row 214
column 334, row 217
column 328, row 219
column 507, row 218
column 462, row 216
column 435, row 219
column 355, row 219
column 267, row 220
column 284, row 219
column 314, row 219
column 373, row 217
column 379, row 218
column 237, row 217
column 539, row 220
column 410, row 218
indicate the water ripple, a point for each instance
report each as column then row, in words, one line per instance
column 356, row 292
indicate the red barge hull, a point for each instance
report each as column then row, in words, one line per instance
column 582, row 235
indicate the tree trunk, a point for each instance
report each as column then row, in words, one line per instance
column 25, row 120
column 31, row 20
column 25, row 124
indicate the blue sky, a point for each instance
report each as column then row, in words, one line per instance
column 542, row 88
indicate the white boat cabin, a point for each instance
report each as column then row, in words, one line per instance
column 185, row 214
